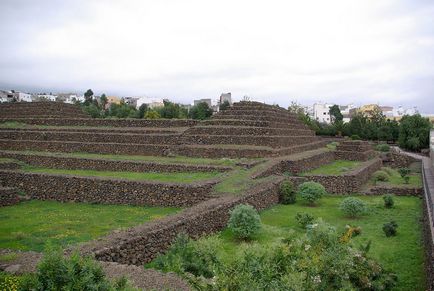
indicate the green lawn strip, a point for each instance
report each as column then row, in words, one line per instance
column 181, row 177
column 29, row 225
column 395, row 179
column 159, row 160
column 7, row 160
column 337, row 167
column 402, row 254
column 13, row 124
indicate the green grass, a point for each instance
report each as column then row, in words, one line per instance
column 337, row 167
column 402, row 254
column 160, row 160
column 395, row 179
column 29, row 225
column 12, row 124
column 7, row 160
column 180, row 177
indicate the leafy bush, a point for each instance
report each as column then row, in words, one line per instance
column 56, row 272
column 388, row 201
column 390, row 228
column 304, row 219
column 311, row 191
column 388, row 170
column 355, row 137
column 244, row 221
column 405, row 172
column 186, row 256
column 152, row 114
column 353, row 207
column 382, row 147
column 414, row 132
column 381, row 176
column 287, row 193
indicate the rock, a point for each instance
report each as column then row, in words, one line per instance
column 13, row 269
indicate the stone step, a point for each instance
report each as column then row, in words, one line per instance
column 257, row 113
column 271, row 141
column 137, row 130
column 89, row 137
column 254, row 123
column 86, row 147
column 9, row 196
column 245, row 130
column 258, row 118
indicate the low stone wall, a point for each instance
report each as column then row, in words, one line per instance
column 58, row 162
column 105, row 122
column 394, row 159
column 220, row 152
column 8, row 196
column 350, row 182
column 143, row 243
column 97, row 148
column 66, row 188
column 355, row 155
column 396, row 190
column 295, row 166
column 100, row 137
column 9, row 165
column 242, row 130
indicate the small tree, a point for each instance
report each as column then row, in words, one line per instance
column 152, row 114
column 335, row 113
column 88, row 95
column 103, row 100
column 201, row 111
column 353, row 207
column 414, row 132
column 390, row 228
column 287, row 193
column 244, row 221
column 311, row 191
column 405, row 172
column 304, row 219
column 388, row 200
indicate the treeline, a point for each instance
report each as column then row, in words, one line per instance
column 411, row 132
column 99, row 109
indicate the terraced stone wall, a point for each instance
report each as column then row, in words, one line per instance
column 105, row 122
column 65, row 188
column 394, row 159
column 143, row 243
column 164, row 139
column 106, row 164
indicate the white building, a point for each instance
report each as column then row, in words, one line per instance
column 23, row 97
column 207, row 101
column 151, row 102
column 48, row 97
column 401, row 111
column 226, row 97
column 345, row 110
column 321, row 112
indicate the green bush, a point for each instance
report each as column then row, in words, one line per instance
column 287, row 193
column 355, row 137
column 414, row 132
column 388, row 170
column 390, row 228
column 353, row 207
column 186, row 256
column 304, row 219
column 311, row 191
column 55, row 272
column 405, row 172
column 388, row 200
column 382, row 147
column 244, row 221
column 381, row 176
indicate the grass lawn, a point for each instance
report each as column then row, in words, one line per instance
column 396, row 179
column 145, row 176
column 29, row 225
column 337, row 167
column 160, row 160
column 402, row 254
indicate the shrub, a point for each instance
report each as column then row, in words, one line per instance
column 287, row 193
column 244, row 221
column 414, row 132
column 382, row 147
column 388, row 201
column 381, row 176
column 304, row 219
column 404, row 172
column 186, row 256
column 55, row 272
column 353, row 207
column 355, row 137
column 311, row 191
column 390, row 228
column 388, row 170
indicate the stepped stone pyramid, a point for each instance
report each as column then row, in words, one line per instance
column 41, row 110
column 249, row 129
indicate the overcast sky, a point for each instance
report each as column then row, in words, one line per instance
column 338, row 51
